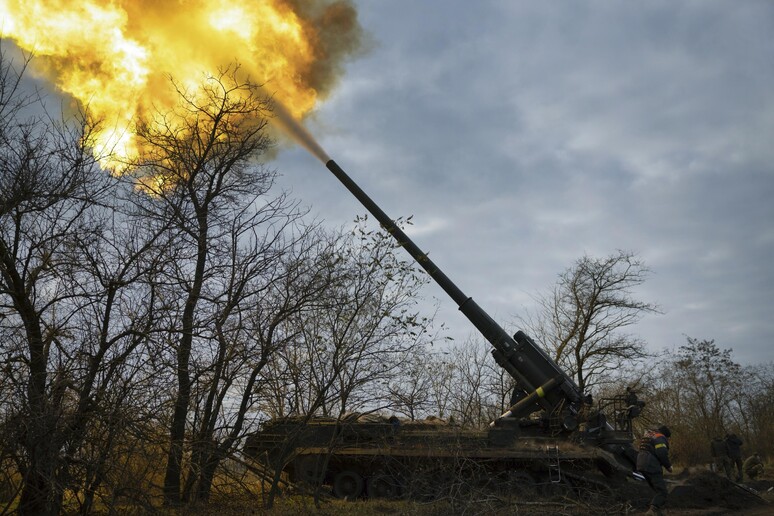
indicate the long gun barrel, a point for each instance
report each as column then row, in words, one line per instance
column 543, row 383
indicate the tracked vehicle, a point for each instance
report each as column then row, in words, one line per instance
column 551, row 436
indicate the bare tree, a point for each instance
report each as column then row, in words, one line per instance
column 695, row 392
column 466, row 385
column 756, row 402
column 410, row 390
column 44, row 199
column 288, row 277
column 582, row 320
column 349, row 344
column 70, row 276
column 197, row 161
column 356, row 339
column 470, row 400
column 441, row 368
column 115, row 285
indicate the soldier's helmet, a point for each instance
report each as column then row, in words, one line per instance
column 663, row 429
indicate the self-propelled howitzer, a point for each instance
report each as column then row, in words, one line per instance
column 564, row 439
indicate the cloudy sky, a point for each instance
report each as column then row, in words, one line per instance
column 522, row 135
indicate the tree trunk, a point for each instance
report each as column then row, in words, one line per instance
column 177, row 437
column 180, row 414
column 39, row 494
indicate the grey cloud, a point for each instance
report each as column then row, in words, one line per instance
column 523, row 134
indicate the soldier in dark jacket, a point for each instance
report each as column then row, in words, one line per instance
column 734, row 444
column 653, row 456
column 720, row 457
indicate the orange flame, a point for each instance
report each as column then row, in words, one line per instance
column 114, row 56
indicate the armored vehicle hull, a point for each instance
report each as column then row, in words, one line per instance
column 390, row 458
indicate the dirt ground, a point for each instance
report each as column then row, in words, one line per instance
column 701, row 492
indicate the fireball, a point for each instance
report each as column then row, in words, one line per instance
column 115, row 58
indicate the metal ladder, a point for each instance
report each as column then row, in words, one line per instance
column 554, row 464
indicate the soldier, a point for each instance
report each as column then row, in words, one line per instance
column 734, row 444
column 634, row 405
column 633, row 409
column 653, row 456
column 720, row 458
column 753, row 466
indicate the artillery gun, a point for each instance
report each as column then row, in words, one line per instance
column 551, row 435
